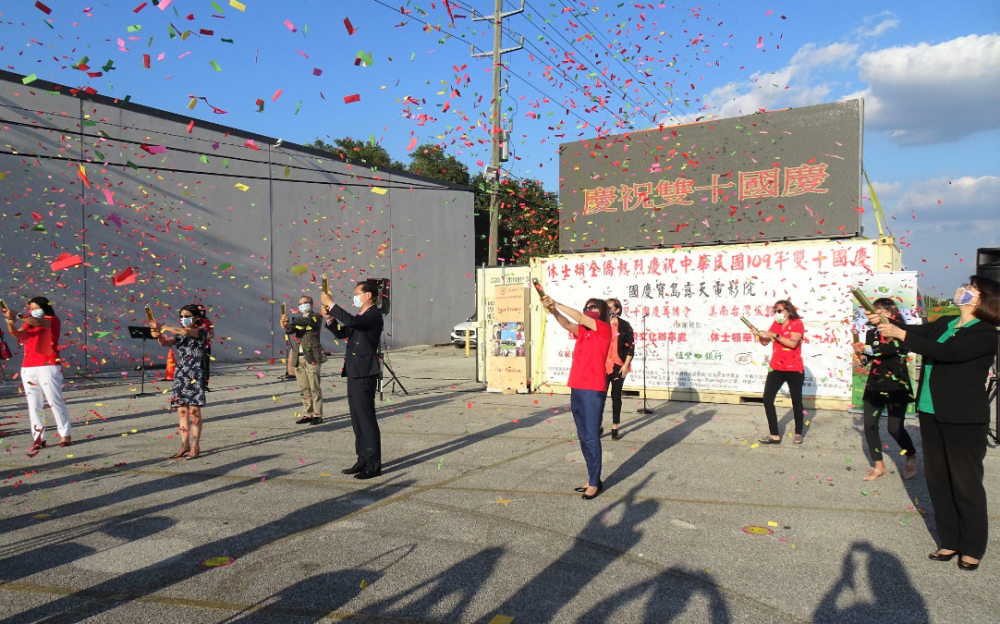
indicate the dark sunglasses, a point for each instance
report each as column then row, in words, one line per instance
column 591, row 307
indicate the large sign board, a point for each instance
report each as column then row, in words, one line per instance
column 685, row 306
column 786, row 175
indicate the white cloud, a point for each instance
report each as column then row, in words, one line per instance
column 940, row 223
column 793, row 83
column 875, row 25
column 939, row 93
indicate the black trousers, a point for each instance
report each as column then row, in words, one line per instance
column 897, row 414
column 367, row 438
column 953, row 465
column 776, row 379
column 205, row 365
column 615, row 382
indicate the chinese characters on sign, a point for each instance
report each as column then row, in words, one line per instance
column 807, row 178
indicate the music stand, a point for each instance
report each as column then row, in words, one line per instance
column 144, row 333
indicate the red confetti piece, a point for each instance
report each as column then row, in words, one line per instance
column 44, row 9
column 350, row 27
column 348, row 99
column 277, row 94
column 190, row 126
column 140, row 7
column 65, row 261
column 317, row 71
column 124, row 278
column 145, row 61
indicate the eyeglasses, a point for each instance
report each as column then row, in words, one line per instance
column 186, row 316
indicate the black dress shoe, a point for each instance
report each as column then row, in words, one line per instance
column 305, row 420
column 355, row 469
column 967, row 565
column 937, row 555
column 600, row 432
column 368, row 474
column 614, row 434
column 316, row 420
column 600, row 486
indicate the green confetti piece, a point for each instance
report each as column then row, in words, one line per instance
column 300, row 270
column 100, row 156
column 204, row 159
column 135, row 28
column 89, row 123
column 227, row 41
column 171, row 32
column 218, row 9
column 297, row 107
column 215, row 66
column 129, row 163
column 223, row 267
column 225, row 163
column 101, row 334
column 29, row 79
column 39, row 228
column 109, row 65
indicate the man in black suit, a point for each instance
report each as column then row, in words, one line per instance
column 362, row 369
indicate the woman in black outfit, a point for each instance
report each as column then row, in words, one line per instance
column 954, row 415
column 619, row 361
column 888, row 388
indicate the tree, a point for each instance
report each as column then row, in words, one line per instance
column 430, row 161
column 371, row 153
column 529, row 220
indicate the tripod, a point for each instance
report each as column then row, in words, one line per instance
column 392, row 382
column 644, row 409
column 143, row 333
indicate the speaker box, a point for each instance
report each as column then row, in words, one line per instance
column 988, row 263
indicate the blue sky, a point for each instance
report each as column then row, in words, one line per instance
column 930, row 76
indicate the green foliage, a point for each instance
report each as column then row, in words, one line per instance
column 430, row 161
column 528, row 223
column 370, row 153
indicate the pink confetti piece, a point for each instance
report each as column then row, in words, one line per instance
column 290, row 26
column 760, row 42
column 317, row 71
column 164, row 4
column 302, row 461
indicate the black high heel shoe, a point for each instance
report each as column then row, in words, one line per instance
column 614, row 433
column 600, row 486
column 967, row 565
column 937, row 555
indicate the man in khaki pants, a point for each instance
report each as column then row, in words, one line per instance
column 307, row 359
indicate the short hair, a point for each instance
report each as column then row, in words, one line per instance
column 44, row 304
column 792, row 312
column 602, row 307
column 311, row 302
column 618, row 304
column 371, row 287
column 988, row 309
column 887, row 304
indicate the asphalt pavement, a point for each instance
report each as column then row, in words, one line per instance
column 474, row 518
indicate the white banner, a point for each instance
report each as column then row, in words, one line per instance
column 692, row 300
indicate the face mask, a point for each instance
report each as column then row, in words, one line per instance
column 779, row 317
column 357, row 301
column 38, row 313
column 964, row 297
column 187, row 321
column 594, row 314
column 305, row 308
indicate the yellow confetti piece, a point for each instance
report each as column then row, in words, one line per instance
column 242, row 187
column 502, row 501
column 364, row 584
column 135, row 431
column 239, row 6
column 755, row 445
column 124, row 435
column 41, row 516
column 300, row 270
column 324, row 474
column 70, row 456
column 769, row 523
column 501, row 619
column 379, row 191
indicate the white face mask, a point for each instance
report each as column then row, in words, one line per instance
column 38, row 313
column 305, row 308
column 964, row 297
column 187, row 321
column 779, row 317
column 357, row 301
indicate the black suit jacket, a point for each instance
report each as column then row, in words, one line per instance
column 363, row 333
column 961, row 366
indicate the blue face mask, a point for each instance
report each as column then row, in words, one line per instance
column 187, row 321
column 305, row 308
column 38, row 313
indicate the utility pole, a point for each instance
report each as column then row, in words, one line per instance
column 496, row 131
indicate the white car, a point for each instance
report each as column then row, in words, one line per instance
column 458, row 334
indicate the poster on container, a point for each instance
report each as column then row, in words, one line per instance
column 505, row 342
column 685, row 306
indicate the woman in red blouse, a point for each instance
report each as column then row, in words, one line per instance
column 588, row 382
column 786, row 367
column 41, row 369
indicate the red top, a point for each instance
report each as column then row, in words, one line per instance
column 41, row 347
column 613, row 360
column 783, row 358
column 589, row 354
column 207, row 324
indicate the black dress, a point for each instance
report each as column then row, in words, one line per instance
column 188, row 390
column 889, row 379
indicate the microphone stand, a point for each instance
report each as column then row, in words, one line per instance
column 644, row 409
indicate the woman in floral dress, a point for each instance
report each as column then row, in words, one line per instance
column 188, row 394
